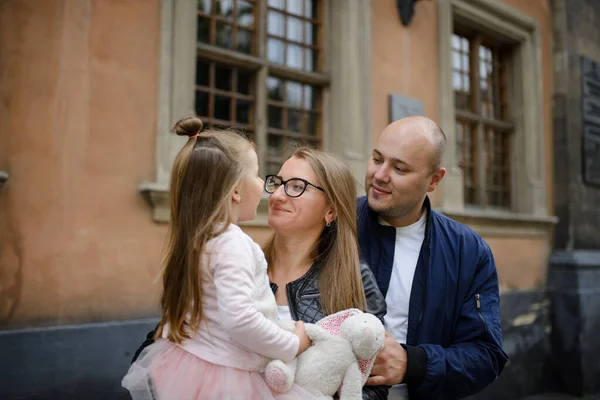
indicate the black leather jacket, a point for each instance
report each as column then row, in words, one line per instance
column 304, row 302
column 304, row 297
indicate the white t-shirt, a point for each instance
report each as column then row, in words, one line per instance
column 409, row 240
column 284, row 314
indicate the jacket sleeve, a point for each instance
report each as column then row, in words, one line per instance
column 376, row 306
column 375, row 300
column 475, row 358
column 234, row 279
column 375, row 393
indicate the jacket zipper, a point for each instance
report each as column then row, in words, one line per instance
column 310, row 295
column 478, row 302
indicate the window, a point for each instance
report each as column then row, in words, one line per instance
column 294, row 29
column 492, row 112
column 223, row 96
column 260, row 66
column 227, row 90
column 483, row 127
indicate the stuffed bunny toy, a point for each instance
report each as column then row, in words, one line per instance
column 344, row 347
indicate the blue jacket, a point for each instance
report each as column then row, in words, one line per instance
column 454, row 339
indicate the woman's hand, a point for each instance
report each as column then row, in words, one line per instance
column 304, row 339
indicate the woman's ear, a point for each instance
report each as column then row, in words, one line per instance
column 330, row 216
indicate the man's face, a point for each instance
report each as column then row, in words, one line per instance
column 399, row 173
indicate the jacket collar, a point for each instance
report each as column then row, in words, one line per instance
column 308, row 276
column 427, row 204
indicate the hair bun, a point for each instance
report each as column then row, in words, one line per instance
column 188, row 126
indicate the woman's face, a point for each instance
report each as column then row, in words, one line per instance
column 298, row 216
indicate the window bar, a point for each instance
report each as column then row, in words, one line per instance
column 474, row 75
column 479, row 161
column 304, row 5
column 303, row 114
column 503, row 92
column 284, row 119
column 254, row 37
column 260, row 87
column 234, row 98
column 285, row 33
column 234, row 26
column 213, row 24
column 490, row 165
column 507, row 178
column 211, row 95
column 320, row 61
column 496, row 74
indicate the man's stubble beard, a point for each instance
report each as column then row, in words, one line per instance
column 397, row 211
column 394, row 212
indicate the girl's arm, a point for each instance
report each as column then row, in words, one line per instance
column 234, row 279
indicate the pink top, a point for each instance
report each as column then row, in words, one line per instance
column 239, row 307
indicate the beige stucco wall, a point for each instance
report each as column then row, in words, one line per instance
column 405, row 62
column 78, row 95
column 522, row 262
column 78, row 91
column 78, row 103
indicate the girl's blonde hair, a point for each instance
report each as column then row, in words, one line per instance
column 336, row 250
column 204, row 176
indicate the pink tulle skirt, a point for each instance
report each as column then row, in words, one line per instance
column 165, row 371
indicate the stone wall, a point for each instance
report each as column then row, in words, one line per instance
column 577, row 35
column 574, row 274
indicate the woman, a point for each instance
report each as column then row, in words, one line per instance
column 313, row 258
column 314, row 246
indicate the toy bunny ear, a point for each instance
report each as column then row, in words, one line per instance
column 332, row 322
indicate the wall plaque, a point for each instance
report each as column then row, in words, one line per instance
column 590, row 141
column 401, row 107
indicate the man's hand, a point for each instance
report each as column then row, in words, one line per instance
column 390, row 366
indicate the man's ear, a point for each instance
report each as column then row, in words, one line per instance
column 236, row 197
column 436, row 178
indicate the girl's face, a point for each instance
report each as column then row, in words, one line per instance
column 300, row 215
column 250, row 189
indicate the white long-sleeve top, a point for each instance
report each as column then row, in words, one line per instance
column 239, row 307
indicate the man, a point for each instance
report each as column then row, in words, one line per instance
column 438, row 276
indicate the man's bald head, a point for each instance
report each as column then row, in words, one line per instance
column 419, row 126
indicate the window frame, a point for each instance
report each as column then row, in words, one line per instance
column 474, row 116
column 528, row 178
column 344, row 62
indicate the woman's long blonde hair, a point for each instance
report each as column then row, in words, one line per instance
column 336, row 250
column 204, row 176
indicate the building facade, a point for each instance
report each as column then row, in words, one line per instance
column 90, row 88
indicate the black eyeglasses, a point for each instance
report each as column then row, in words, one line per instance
column 293, row 187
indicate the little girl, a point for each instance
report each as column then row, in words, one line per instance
column 217, row 329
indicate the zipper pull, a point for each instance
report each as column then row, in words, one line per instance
column 478, row 300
